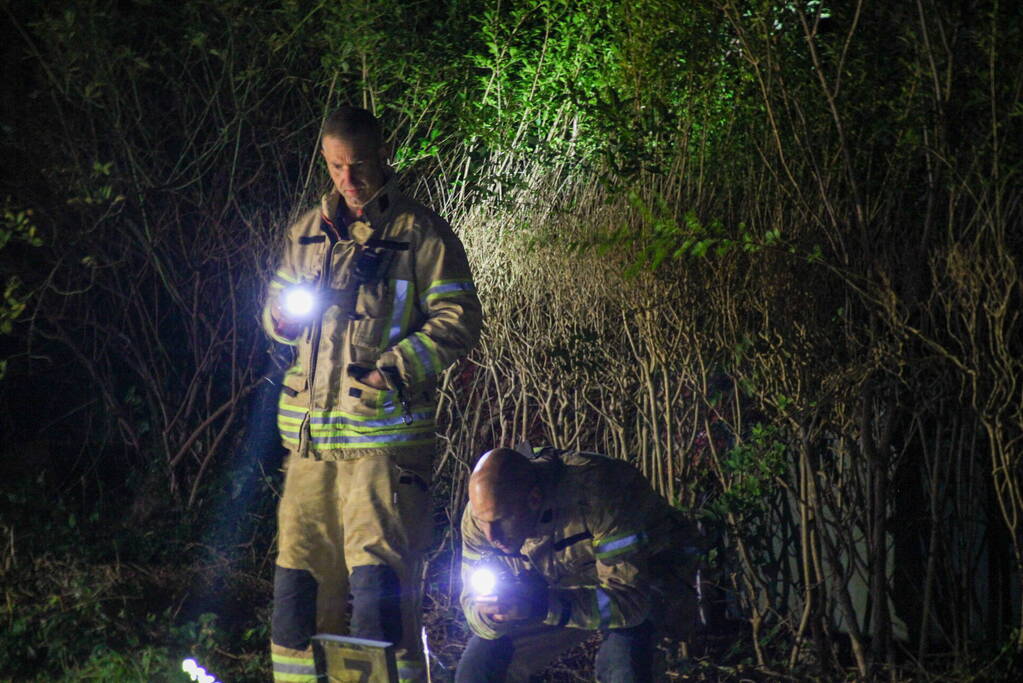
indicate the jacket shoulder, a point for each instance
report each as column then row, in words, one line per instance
column 606, row 489
column 421, row 219
column 307, row 223
column 601, row 472
column 473, row 540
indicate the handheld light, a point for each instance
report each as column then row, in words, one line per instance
column 298, row 302
column 483, row 581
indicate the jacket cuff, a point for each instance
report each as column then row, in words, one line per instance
column 483, row 626
column 391, row 376
column 393, row 367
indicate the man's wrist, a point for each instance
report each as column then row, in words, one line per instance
column 280, row 329
column 289, row 330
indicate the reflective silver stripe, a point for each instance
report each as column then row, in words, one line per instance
column 617, row 544
column 284, row 412
column 369, row 422
column 398, row 315
column 451, row 286
column 370, row 438
column 423, row 354
column 604, row 607
column 295, row 669
column 426, row 349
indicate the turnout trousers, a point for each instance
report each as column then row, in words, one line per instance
column 625, row 656
column 358, row 527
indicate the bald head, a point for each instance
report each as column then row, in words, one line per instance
column 504, row 491
column 502, row 473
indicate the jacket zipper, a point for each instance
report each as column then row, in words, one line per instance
column 314, row 342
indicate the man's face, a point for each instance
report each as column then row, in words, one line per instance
column 356, row 166
column 507, row 524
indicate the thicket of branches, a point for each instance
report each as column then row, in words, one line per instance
column 770, row 252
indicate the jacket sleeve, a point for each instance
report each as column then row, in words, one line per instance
column 622, row 596
column 474, row 547
column 288, row 273
column 453, row 316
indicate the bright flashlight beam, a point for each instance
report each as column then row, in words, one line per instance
column 298, row 302
column 196, row 672
column 484, row 581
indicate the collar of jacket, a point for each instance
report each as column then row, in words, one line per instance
column 374, row 214
column 550, row 479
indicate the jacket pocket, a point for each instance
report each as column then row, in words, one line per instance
column 359, row 398
column 393, row 302
column 367, row 333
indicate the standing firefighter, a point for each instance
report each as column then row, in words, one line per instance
column 375, row 294
column 556, row 547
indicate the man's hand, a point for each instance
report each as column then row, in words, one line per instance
column 524, row 600
column 375, row 379
column 505, row 609
column 284, row 327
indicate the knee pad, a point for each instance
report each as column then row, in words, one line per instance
column 293, row 623
column 376, row 603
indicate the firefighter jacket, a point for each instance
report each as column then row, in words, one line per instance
column 394, row 293
column 603, row 543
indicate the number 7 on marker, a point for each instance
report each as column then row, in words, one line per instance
column 362, row 666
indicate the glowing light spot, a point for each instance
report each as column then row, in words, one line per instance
column 196, row 672
column 298, row 302
column 484, row 581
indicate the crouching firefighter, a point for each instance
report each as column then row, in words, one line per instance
column 557, row 546
column 375, row 295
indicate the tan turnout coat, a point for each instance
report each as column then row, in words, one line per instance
column 607, row 546
column 418, row 314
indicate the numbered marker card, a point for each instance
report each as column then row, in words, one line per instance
column 340, row 659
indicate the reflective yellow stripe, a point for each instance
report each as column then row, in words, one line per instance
column 478, row 625
column 411, row 671
column 294, row 678
column 293, row 669
column 445, row 288
column 611, row 546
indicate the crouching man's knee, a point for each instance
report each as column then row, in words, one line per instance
column 485, row 660
column 626, row 655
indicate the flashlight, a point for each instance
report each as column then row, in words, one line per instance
column 483, row 581
column 298, row 302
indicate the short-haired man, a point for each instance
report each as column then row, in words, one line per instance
column 375, row 294
column 570, row 543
